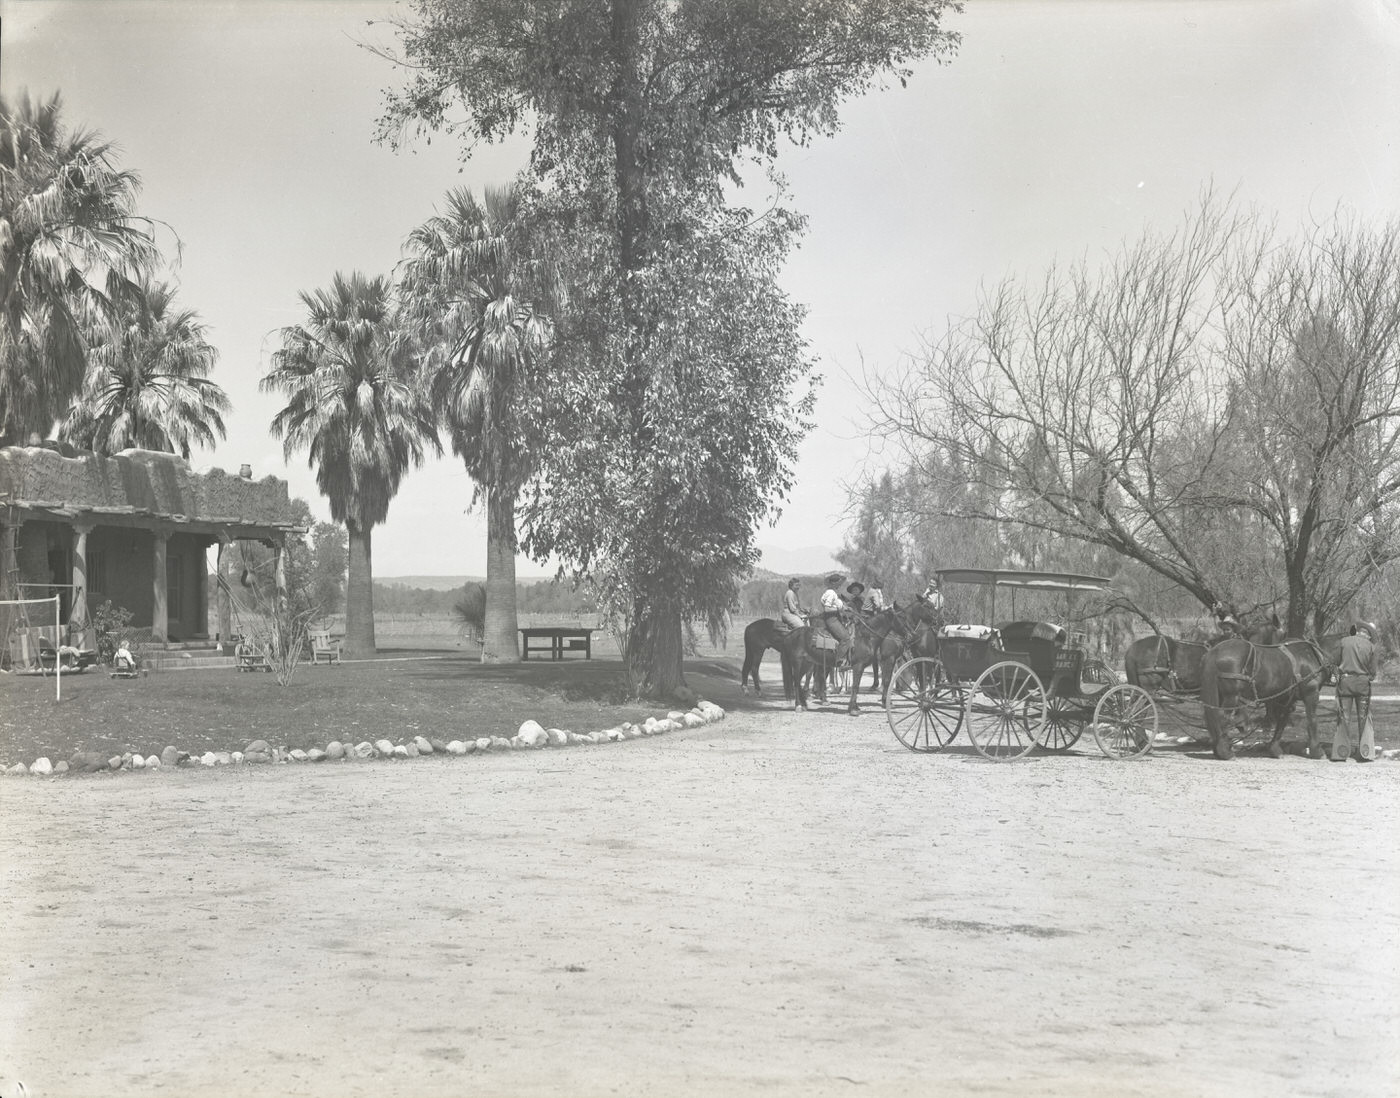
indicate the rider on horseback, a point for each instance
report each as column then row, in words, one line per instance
column 793, row 616
column 832, row 605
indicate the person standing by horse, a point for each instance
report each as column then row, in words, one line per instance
column 1356, row 671
column 793, row 616
column 831, row 606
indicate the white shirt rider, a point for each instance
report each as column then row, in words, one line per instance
column 831, row 601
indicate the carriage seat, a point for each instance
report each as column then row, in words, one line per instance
column 1039, row 642
column 966, row 632
column 1014, row 632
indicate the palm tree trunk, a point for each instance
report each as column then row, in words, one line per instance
column 359, row 594
column 500, row 630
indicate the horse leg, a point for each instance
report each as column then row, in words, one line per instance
column 1310, row 709
column 1218, row 725
column 1279, row 713
column 857, row 670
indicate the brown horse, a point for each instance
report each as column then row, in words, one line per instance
column 1160, row 662
column 810, row 655
column 1238, row 672
column 759, row 636
column 1164, row 663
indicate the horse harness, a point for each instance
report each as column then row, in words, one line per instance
column 1250, row 671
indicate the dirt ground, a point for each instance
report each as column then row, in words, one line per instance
column 771, row 905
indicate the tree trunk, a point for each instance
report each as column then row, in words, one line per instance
column 359, row 595
column 500, row 632
column 653, row 657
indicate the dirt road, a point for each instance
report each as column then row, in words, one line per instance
column 771, row 905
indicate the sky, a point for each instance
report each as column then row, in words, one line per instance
column 1060, row 129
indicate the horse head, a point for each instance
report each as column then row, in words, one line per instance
column 1265, row 632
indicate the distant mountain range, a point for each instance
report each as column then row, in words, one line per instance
column 430, row 583
column 810, row 560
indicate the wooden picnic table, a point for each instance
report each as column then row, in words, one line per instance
column 560, row 639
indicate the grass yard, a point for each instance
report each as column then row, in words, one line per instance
column 406, row 693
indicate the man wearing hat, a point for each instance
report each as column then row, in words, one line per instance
column 1356, row 670
column 855, row 596
column 831, row 606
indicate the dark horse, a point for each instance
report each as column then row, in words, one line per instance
column 879, row 640
column 1238, row 672
column 759, row 636
column 1160, row 662
column 1164, row 663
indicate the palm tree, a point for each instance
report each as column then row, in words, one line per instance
column 466, row 296
column 68, row 241
column 147, row 382
column 353, row 405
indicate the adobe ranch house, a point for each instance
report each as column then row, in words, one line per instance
column 133, row 528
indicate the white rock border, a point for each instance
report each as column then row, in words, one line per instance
column 530, row 736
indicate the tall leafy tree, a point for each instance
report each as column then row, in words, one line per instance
column 477, row 302
column 642, row 112
column 148, row 381
column 354, row 407
column 69, row 239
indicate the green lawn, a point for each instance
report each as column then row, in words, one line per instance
column 439, row 695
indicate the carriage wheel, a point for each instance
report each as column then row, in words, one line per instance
column 1005, row 711
column 1125, row 722
column 1098, row 673
column 1064, row 724
column 924, row 710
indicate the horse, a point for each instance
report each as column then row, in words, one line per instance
column 1165, row 663
column 759, row 636
column 1238, row 672
column 881, row 638
column 1160, row 662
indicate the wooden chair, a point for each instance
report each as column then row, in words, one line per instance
column 324, row 647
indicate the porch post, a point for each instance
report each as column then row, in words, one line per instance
column 9, row 551
column 201, row 592
column 160, row 614
column 279, row 558
column 79, row 624
column 224, row 610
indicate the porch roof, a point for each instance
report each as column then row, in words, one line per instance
column 142, row 489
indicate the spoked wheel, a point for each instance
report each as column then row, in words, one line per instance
column 1125, row 722
column 1064, row 724
column 1098, row 673
column 925, row 711
column 1005, row 711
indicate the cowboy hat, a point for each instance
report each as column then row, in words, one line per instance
column 834, row 578
column 1369, row 628
column 855, row 588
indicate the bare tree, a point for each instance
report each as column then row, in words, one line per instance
column 1217, row 404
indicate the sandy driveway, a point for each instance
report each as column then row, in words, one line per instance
column 771, row 905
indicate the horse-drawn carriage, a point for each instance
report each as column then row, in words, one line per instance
column 1017, row 685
